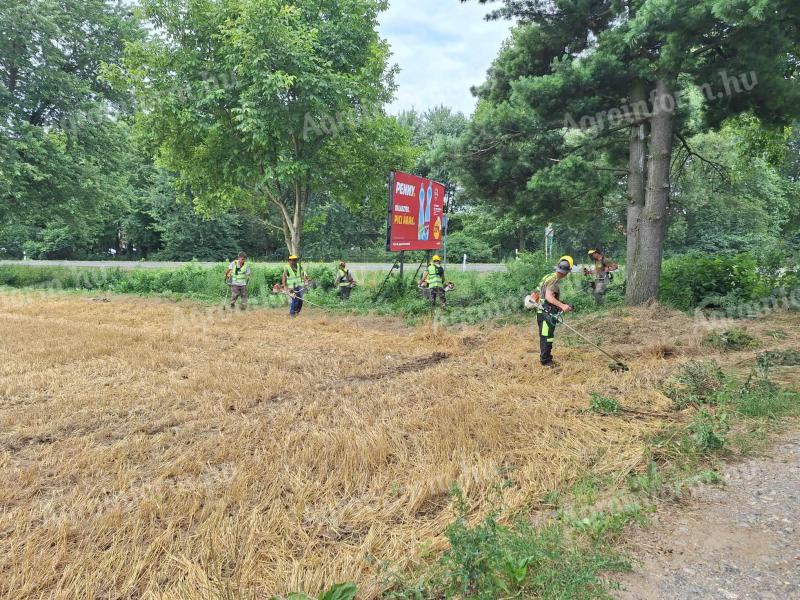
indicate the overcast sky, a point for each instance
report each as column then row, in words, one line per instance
column 442, row 47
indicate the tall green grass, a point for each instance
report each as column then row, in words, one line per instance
column 477, row 297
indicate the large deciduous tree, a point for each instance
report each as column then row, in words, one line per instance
column 64, row 158
column 614, row 66
column 262, row 104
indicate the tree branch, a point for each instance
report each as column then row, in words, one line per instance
column 718, row 168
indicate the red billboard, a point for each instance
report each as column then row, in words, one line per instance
column 416, row 213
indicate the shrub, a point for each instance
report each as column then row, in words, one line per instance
column 719, row 281
column 477, row 250
column 732, row 340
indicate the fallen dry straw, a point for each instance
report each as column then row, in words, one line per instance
column 150, row 449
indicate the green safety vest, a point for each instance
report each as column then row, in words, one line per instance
column 239, row 274
column 344, row 278
column 545, row 281
column 294, row 279
column 435, row 276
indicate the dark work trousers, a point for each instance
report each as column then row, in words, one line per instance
column 546, row 335
column 437, row 296
column 297, row 302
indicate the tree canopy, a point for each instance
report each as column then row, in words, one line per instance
column 258, row 104
column 586, row 89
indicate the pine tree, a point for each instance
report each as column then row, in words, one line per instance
column 614, row 67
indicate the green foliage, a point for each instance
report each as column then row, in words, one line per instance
column 699, row 382
column 738, row 202
column 760, row 397
column 64, row 155
column 709, row 430
column 476, row 249
column 732, row 340
column 488, row 560
column 778, row 358
column 188, row 281
column 550, row 136
column 340, row 591
column 604, row 405
column 265, row 104
column 710, row 280
column 651, row 482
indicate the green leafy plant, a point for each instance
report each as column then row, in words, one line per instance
column 604, row 405
column 709, row 281
column 340, row 591
column 709, row 430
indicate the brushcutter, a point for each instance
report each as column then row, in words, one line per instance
column 558, row 318
column 280, row 291
column 617, row 365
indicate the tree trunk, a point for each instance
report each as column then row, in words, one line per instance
column 642, row 285
column 637, row 164
column 292, row 215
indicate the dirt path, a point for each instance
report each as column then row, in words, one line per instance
column 740, row 541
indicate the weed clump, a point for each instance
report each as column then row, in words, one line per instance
column 604, row 405
column 778, row 358
column 732, row 340
column 698, row 383
column 489, row 560
column 709, row 431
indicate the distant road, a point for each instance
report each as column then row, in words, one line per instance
column 134, row 264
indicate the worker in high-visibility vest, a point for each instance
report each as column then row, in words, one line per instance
column 344, row 281
column 294, row 281
column 603, row 267
column 238, row 275
column 433, row 279
column 551, row 306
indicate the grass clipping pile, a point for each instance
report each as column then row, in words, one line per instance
column 150, row 449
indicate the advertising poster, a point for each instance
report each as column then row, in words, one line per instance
column 416, row 213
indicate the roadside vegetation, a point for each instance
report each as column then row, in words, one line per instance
column 728, row 286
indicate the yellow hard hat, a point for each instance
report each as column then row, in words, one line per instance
column 436, row 257
column 592, row 251
column 569, row 259
column 293, row 257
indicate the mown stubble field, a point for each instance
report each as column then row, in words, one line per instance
column 158, row 450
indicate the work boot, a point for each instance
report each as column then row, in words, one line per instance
column 549, row 365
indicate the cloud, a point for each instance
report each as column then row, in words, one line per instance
column 443, row 47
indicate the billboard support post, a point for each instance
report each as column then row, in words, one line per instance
column 402, row 262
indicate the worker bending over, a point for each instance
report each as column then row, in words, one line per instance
column 238, row 275
column 294, row 281
column 551, row 307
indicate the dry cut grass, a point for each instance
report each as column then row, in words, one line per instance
column 156, row 450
